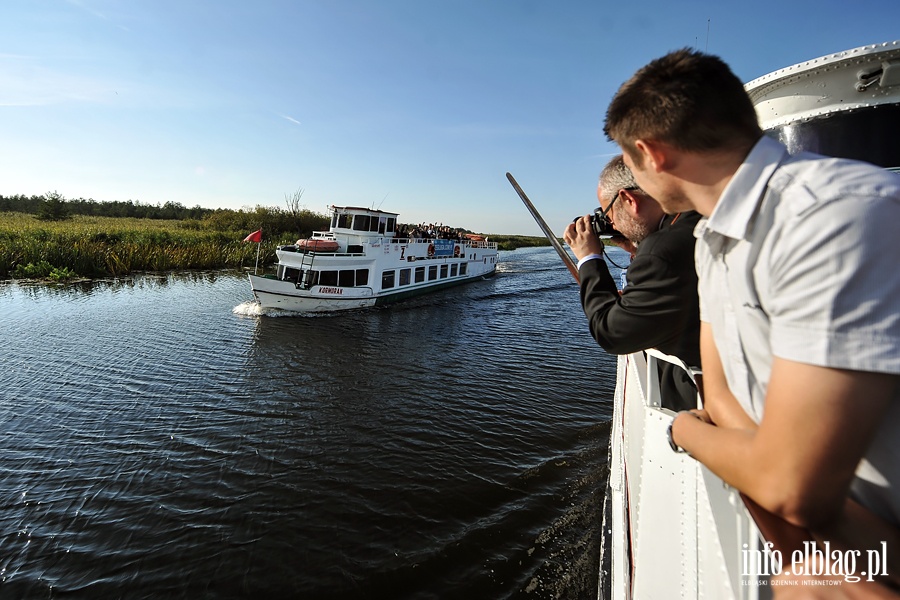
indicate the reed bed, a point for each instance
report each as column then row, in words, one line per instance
column 108, row 246
column 91, row 246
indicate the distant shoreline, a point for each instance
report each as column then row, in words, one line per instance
column 92, row 247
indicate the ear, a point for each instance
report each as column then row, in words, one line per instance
column 629, row 198
column 656, row 154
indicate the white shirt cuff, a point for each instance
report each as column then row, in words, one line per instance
column 589, row 257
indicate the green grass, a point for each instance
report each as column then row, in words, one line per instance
column 107, row 246
column 86, row 246
column 511, row 242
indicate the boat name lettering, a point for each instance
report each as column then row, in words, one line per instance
column 331, row 290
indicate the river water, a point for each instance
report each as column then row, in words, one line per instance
column 160, row 438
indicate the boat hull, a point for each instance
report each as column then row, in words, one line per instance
column 675, row 525
column 282, row 295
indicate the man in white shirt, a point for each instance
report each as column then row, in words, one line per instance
column 800, row 302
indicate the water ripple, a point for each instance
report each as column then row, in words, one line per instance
column 165, row 437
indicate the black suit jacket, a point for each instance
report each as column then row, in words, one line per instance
column 659, row 307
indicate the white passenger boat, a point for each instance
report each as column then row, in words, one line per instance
column 361, row 262
column 677, row 530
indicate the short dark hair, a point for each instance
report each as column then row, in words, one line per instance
column 686, row 98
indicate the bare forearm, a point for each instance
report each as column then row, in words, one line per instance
column 752, row 464
column 723, row 407
column 730, row 454
column 859, row 529
column 801, row 459
column 724, row 451
column 739, row 458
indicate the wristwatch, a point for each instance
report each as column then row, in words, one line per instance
column 672, row 443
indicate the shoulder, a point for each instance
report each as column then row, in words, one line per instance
column 816, row 203
column 676, row 237
column 812, row 181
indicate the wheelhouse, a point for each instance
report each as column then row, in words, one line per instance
column 362, row 221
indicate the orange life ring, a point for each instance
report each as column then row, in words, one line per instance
column 456, row 252
column 430, row 249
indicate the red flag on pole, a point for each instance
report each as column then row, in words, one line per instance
column 256, row 236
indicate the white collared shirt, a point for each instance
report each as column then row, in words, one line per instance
column 798, row 260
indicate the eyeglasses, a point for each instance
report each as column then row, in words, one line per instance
column 606, row 212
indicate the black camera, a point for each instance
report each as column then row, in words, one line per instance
column 601, row 225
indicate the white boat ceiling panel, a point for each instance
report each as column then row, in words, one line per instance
column 859, row 78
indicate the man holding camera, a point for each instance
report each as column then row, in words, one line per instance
column 658, row 308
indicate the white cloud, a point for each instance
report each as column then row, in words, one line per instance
column 292, row 120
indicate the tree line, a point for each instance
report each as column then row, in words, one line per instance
column 80, row 206
column 274, row 221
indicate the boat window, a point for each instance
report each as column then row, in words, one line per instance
column 454, row 269
column 311, row 279
column 344, row 221
column 377, row 224
column 404, row 276
column 328, row 278
column 361, row 223
column 391, row 223
column 387, row 280
column 420, row 274
column 362, row 277
column 347, row 278
column 443, row 271
column 291, row 274
column 432, row 273
column 462, row 268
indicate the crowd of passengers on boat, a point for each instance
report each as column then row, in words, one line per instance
column 430, row 231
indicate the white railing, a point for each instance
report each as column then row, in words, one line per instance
column 678, row 531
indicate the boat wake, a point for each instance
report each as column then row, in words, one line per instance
column 527, row 292
column 252, row 308
column 504, row 268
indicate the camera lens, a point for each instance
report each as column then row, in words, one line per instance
column 601, row 226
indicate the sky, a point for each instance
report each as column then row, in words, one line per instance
column 418, row 107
